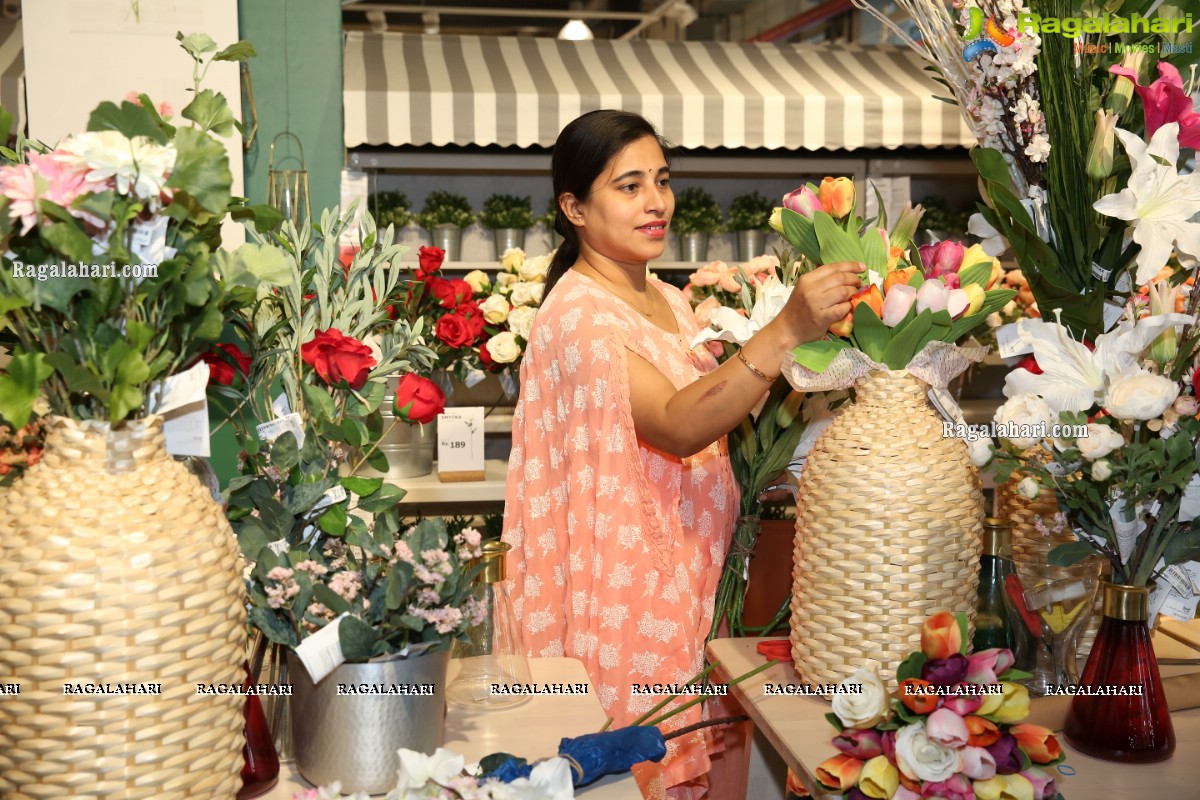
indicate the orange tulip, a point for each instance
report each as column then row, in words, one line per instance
column 836, row 196
column 894, row 256
column 840, row 772
column 1040, row 744
column 843, row 326
column 983, row 732
column 870, row 295
column 940, row 636
column 913, row 693
column 898, row 276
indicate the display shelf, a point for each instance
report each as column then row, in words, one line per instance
column 494, row 266
column 428, row 489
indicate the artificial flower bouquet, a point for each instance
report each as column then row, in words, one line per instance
column 953, row 731
column 327, row 544
column 718, row 284
column 20, row 448
column 509, row 303
column 1126, row 470
column 112, row 280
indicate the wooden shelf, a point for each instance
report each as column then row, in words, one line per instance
column 428, row 489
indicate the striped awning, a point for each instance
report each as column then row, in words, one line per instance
column 403, row 89
column 12, row 72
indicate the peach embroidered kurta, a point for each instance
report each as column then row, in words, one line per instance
column 617, row 546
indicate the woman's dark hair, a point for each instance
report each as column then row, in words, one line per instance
column 581, row 153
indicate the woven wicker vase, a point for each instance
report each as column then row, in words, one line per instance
column 116, row 567
column 888, row 532
column 1031, row 544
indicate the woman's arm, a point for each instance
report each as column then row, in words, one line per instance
column 686, row 421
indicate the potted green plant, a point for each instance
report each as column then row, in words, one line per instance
column 507, row 216
column 697, row 215
column 444, row 215
column 547, row 221
column 749, row 215
column 390, row 208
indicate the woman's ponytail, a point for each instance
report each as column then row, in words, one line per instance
column 567, row 253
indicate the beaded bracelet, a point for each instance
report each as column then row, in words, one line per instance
column 742, row 357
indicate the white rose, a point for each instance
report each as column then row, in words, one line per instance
column 477, row 279
column 503, row 348
column 1028, row 488
column 922, row 759
column 495, row 309
column 862, row 709
column 1141, row 396
column 530, row 294
column 505, row 281
column 512, row 259
column 534, row 269
column 981, row 451
column 1101, row 470
column 1099, row 442
column 1026, row 410
column 520, row 321
column 994, row 320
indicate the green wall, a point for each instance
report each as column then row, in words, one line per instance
column 297, row 80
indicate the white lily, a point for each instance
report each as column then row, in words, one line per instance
column 727, row 325
column 993, row 242
column 1074, row 378
column 1159, row 203
column 418, row 769
column 549, row 780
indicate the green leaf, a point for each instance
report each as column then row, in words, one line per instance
column 870, row 334
column 834, row 721
column 875, row 254
column 333, row 520
column 196, row 43
column 284, row 453
column 265, row 218
column 79, row 379
column 964, row 636
column 903, row 344
column 301, row 499
column 252, row 537
column 818, row 355
column 836, row 244
column 357, row 639
column 201, row 173
column 911, row 666
column 798, row 230
column 252, row 264
column 489, row 764
column 378, row 461
column 1070, row 553
column 273, row 626
column 354, row 431
column 130, row 119
column 976, row 273
column 319, row 403
column 387, row 497
column 6, row 121
column 59, row 293
column 210, row 111
column 363, row 487
column 20, row 384
column 238, row 51
column 67, row 238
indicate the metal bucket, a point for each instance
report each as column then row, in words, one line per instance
column 353, row 738
column 504, row 238
column 693, row 246
column 409, row 448
column 750, row 244
column 449, row 238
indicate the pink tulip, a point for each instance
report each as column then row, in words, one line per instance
column 957, row 303
column 977, row 763
column 864, row 744
column 956, row 787
column 896, row 304
column 1165, row 101
column 802, row 201
column 963, row 704
column 933, row 295
column 952, row 280
column 904, row 793
column 941, row 258
column 987, row 666
column 1043, row 783
column 945, row 727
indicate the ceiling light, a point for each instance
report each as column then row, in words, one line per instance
column 576, row 30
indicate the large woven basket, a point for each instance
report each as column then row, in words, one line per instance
column 888, row 532
column 116, row 567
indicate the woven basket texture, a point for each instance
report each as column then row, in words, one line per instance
column 116, row 567
column 888, row 532
column 1031, row 544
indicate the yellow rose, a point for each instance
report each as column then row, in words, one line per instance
column 1015, row 704
column 495, row 309
column 512, row 259
column 879, row 778
column 477, row 279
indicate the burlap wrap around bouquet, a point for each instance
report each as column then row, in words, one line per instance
column 118, row 569
column 888, row 520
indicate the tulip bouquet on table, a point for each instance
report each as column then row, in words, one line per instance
column 954, row 731
column 1129, row 488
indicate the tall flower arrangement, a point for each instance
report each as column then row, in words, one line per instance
column 508, row 303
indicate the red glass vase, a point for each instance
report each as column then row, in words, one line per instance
column 1130, row 728
column 260, row 768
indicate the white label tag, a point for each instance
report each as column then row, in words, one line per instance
column 1112, row 314
column 182, row 401
column 281, row 406
column 1099, row 272
column 1165, row 600
column 474, row 377
column 944, row 402
column 181, row 389
column 148, row 240
column 1009, row 343
column 1189, row 504
column 321, row 653
column 1123, row 284
column 509, row 384
column 278, row 547
column 335, row 495
column 1127, row 531
column 460, row 440
column 1178, row 579
column 270, row 431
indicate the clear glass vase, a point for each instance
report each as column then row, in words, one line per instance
column 1059, row 601
column 493, row 652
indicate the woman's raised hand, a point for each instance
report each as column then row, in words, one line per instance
column 821, row 298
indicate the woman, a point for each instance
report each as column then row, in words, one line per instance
column 620, row 500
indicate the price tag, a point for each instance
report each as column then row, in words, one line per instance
column 270, row 431
column 460, row 444
column 321, row 653
column 279, row 546
column 1099, row 272
column 1009, row 342
column 1112, row 314
column 148, row 240
column 1123, row 285
column 182, row 401
column 944, row 402
column 335, row 495
column 281, row 407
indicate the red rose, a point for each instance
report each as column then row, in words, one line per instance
column 455, row 331
column 449, row 293
column 339, row 360
column 220, row 371
column 485, row 358
column 418, row 399
column 431, row 259
column 469, row 310
column 1196, row 383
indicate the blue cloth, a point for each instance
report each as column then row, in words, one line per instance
column 611, row 752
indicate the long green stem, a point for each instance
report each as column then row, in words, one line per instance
column 702, row 698
column 701, row 676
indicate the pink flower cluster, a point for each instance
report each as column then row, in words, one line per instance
column 346, row 584
column 468, row 541
column 285, row 589
column 444, row 620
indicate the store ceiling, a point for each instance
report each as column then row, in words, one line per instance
column 608, row 19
